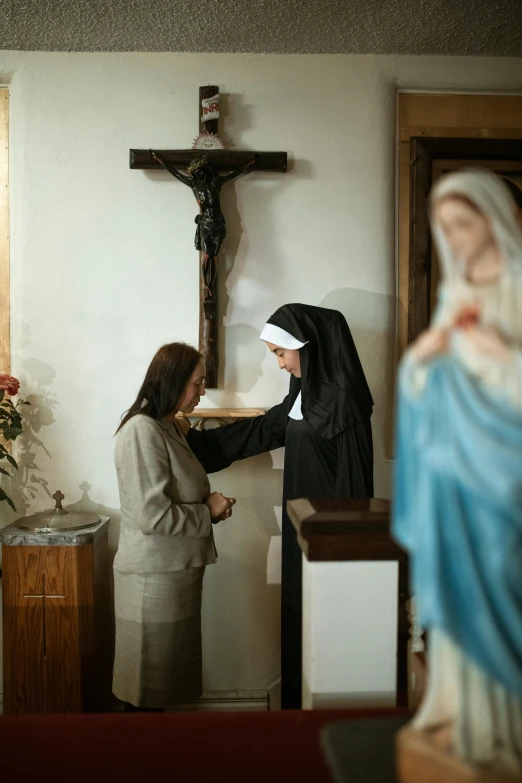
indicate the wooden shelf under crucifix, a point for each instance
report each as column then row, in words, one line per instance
column 199, row 416
column 202, row 165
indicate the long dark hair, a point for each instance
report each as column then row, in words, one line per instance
column 167, row 376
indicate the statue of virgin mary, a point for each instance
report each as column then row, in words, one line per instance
column 458, row 482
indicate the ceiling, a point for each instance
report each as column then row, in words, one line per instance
column 441, row 27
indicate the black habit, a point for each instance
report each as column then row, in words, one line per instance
column 328, row 453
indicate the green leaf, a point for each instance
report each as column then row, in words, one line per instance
column 2, row 393
column 4, row 496
column 11, row 433
column 11, row 461
column 5, row 472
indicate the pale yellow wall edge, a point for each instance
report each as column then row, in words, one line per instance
column 5, row 337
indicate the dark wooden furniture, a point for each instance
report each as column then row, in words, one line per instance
column 57, row 628
column 344, row 529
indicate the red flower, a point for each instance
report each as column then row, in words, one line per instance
column 9, row 384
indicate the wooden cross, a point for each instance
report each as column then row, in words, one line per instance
column 43, row 595
column 233, row 161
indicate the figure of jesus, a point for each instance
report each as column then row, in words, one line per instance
column 206, row 184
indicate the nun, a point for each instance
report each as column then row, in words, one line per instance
column 324, row 425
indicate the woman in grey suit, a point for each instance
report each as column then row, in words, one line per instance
column 166, row 539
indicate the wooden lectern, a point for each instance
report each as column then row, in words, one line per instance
column 354, row 583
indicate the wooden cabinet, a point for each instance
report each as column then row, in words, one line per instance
column 57, row 627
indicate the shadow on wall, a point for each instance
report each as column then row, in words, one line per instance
column 245, row 353
column 89, row 506
column 28, row 483
column 236, row 261
column 371, row 318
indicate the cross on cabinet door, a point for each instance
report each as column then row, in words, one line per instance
column 44, row 591
column 40, row 593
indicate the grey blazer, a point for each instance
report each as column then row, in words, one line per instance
column 165, row 526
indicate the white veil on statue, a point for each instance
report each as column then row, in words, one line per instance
column 493, row 199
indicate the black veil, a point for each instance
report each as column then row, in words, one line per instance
column 335, row 394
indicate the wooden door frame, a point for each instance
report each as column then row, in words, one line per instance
column 423, row 151
column 5, row 334
column 435, row 114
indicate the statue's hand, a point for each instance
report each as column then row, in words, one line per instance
column 486, row 338
column 467, row 316
column 431, row 343
column 490, row 342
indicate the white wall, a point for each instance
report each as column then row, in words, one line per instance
column 104, row 270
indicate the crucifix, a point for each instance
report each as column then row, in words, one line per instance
column 202, row 165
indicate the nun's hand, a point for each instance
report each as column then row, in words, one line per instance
column 431, row 343
column 490, row 342
column 183, row 424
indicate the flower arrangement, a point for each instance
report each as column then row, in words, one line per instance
column 10, row 425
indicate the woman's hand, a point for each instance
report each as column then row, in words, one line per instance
column 219, row 506
column 431, row 343
column 228, row 513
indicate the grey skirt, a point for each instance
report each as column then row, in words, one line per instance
column 158, row 658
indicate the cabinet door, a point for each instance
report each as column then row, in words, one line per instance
column 62, row 629
column 23, row 630
column 41, row 630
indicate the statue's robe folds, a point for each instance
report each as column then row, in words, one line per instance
column 458, row 511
